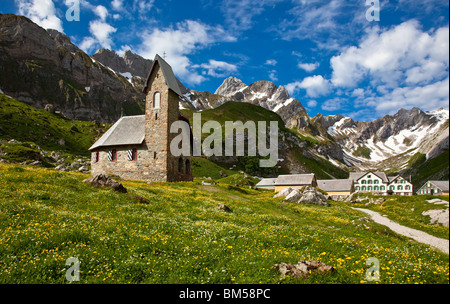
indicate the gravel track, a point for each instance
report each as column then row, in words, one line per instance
column 419, row 236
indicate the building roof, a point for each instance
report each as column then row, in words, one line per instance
column 295, row 179
column 330, row 185
column 169, row 76
column 266, row 182
column 128, row 130
column 443, row 185
column 357, row 175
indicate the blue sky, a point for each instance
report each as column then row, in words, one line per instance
column 325, row 52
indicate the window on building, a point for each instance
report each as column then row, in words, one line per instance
column 376, row 181
column 180, row 165
column 400, row 188
column 369, row 176
column 357, row 188
column 132, row 155
column 369, row 188
column 391, row 187
column 188, row 166
column 112, row 155
column 97, row 156
column 363, row 188
column 154, row 155
column 382, row 188
column 375, row 188
column 369, row 181
column 363, row 182
column 407, row 187
column 157, row 100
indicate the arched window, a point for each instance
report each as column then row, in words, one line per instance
column 376, row 181
column 375, row 188
column 400, row 188
column 369, row 181
column 363, row 188
column 392, row 188
column 188, row 167
column 369, row 188
column 363, row 182
column 180, row 165
column 157, row 100
column 97, row 156
column 407, row 187
column 382, row 188
column 357, row 188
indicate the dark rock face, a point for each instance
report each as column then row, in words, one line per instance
column 42, row 68
column 130, row 62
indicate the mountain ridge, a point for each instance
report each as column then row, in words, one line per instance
column 46, row 70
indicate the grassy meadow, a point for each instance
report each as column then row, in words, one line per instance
column 180, row 236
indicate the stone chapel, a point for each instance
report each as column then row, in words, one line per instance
column 138, row 147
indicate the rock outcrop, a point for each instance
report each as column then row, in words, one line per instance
column 103, row 180
column 303, row 269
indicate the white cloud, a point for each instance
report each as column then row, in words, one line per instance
column 101, row 11
column 117, row 4
column 101, row 36
column 41, row 12
column 333, row 104
column 273, row 75
column 239, row 14
column 312, row 103
column 271, row 62
column 427, row 97
column 321, row 22
column 315, row 86
column 309, row 67
column 216, row 68
column 186, row 38
column 403, row 54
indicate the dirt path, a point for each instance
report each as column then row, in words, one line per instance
column 419, row 236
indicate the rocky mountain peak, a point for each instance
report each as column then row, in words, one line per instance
column 230, row 86
column 128, row 63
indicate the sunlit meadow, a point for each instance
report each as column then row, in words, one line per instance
column 180, row 235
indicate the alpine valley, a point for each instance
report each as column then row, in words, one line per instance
column 45, row 70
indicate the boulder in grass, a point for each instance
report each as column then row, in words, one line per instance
column 285, row 192
column 314, row 197
column 103, row 180
column 294, row 196
column 303, row 269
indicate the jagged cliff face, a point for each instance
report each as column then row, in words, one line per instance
column 44, row 69
column 265, row 94
column 388, row 142
column 128, row 63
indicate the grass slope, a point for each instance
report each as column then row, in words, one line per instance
column 422, row 170
column 25, row 123
column 180, row 236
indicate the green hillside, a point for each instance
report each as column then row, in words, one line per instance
column 242, row 111
column 177, row 234
column 51, row 132
column 421, row 170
